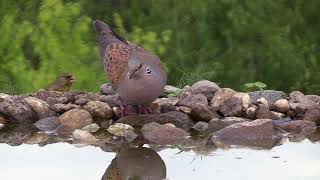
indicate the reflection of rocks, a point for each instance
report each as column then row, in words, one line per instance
column 299, row 127
column 37, row 138
column 91, row 128
column 257, row 133
column 76, row 118
column 16, row 134
column 179, row 119
column 48, row 124
column 136, row 163
column 83, row 136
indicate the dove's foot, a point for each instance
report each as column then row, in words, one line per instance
column 144, row 109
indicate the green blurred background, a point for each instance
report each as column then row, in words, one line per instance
column 230, row 42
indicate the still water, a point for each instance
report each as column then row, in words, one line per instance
column 290, row 161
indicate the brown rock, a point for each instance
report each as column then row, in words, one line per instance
column 313, row 115
column 184, row 109
column 76, row 118
column 16, row 109
column 57, row 100
column 236, row 105
column 166, row 104
column 201, row 127
column 264, row 112
column 218, row 124
column 185, row 92
column 220, row 97
column 299, row 127
column 165, row 135
column 281, row 105
column 179, row 119
column 251, row 112
column 192, row 100
column 203, row 113
column 206, row 88
column 40, row 107
column 83, row 136
column 257, row 133
column 107, row 89
column 61, row 108
column 300, row 103
column 99, row 109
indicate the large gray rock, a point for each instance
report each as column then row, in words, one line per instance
column 257, row 133
column 99, row 109
column 206, row 88
column 40, row 107
column 218, row 124
column 179, row 119
column 76, row 118
column 16, row 109
column 270, row 95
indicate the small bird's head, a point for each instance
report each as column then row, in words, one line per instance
column 66, row 79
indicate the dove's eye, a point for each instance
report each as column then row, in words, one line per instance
column 148, row 70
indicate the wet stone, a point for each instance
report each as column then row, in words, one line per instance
column 206, row 88
column 99, row 109
column 83, row 136
column 218, row 124
column 37, row 138
column 61, row 108
column 48, row 124
column 257, row 133
column 76, row 118
column 179, row 119
column 91, row 128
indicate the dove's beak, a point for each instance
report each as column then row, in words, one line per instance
column 131, row 73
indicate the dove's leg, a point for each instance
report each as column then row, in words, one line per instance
column 125, row 109
column 144, row 109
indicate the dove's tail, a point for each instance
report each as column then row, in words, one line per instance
column 106, row 36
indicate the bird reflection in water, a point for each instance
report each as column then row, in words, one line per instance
column 136, row 163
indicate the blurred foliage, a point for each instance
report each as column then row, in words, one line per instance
column 231, row 42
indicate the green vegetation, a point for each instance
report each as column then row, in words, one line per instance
column 230, row 42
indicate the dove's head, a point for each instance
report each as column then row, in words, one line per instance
column 144, row 79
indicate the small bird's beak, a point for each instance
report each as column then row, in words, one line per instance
column 73, row 79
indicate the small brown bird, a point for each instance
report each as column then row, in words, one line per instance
column 62, row 83
column 137, row 75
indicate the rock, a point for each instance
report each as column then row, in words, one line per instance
column 99, row 109
column 264, row 112
column 218, row 124
column 206, row 88
column 220, row 97
column 300, row 103
column 262, row 102
column 185, row 92
column 270, row 95
column 314, row 137
column 278, row 115
column 64, row 131
column 236, row 105
column 40, row 107
column 184, row 109
column 166, row 104
column 120, row 129
column 111, row 100
column 76, row 118
column 314, row 98
column 257, row 133
column 48, row 124
column 3, row 122
column 201, row 127
column 84, row 136
column 299, row 127
column 16, row 134
column 91, row 128
column 251, row 112
column 107, row 89
column 81, row 102
column 57, row 100
column 192, row 100
column 313, row 115
column 150, row 126
column 87, row 96
column 171, row 90
column 179, row 119
column 203, row 113
column 281, row 105
column 165, row 135
column 61, row 108
column 16, row 109
column 37, row 138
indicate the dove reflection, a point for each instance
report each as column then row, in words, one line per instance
column 136, row 163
